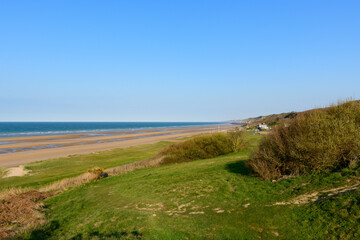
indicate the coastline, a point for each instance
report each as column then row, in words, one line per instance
column 10, row 130
column 33, row 148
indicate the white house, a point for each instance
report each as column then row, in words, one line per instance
column 263, row 126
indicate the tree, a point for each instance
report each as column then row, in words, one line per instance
column 237, row 139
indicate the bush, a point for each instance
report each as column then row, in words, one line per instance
column 237, row 139
column 98, row 172
column 319, row 140
column 201, row 147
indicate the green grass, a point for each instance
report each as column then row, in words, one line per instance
column 334, row 218
column 45, row 172
column 158, row 203
column 2, row 172
column 126, row 204
column 215, row 198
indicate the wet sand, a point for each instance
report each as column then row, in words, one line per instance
column 66, row 145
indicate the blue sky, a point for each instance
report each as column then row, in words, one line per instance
column 175, row 60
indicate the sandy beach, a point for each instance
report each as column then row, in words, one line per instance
column 22, row 150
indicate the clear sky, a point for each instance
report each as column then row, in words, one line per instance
column 175, row 60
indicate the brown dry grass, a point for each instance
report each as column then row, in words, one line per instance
column 146, row 163
column 20, row 211
column 64, row 184
column 13, row 192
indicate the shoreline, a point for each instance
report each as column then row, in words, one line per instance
column 82, row 144
column 99, row 131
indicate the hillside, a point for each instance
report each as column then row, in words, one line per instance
column 270, row 120
column 169, row 191
column 214, row 198
column 274, row 119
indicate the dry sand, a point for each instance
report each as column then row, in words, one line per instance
column 16, row 172
column 21, row 142
column 82, row 144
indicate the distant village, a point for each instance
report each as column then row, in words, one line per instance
column 258, row 127
column 263, row 123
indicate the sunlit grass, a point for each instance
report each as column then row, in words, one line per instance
column 45, row 172
column 214, row 198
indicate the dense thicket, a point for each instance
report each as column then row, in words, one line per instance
column 201, row 147
column 325, row 139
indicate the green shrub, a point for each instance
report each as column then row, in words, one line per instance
column 237, row 140
column 201, row 147
column 320, row 140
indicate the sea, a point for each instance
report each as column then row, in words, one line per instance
column 19, row 129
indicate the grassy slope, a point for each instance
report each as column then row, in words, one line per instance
column 45, row 172
column 334, row 218
column 197, row 200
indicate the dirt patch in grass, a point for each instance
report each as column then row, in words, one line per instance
column 16, row 172
column 317, row 196
column 20, row 212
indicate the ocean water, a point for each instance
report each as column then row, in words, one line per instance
column 16, row 129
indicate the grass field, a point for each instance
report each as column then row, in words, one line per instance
column 204, row 199
column 45, row 172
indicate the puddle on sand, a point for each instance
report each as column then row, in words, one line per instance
column 12, row 150
column 3, row 143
